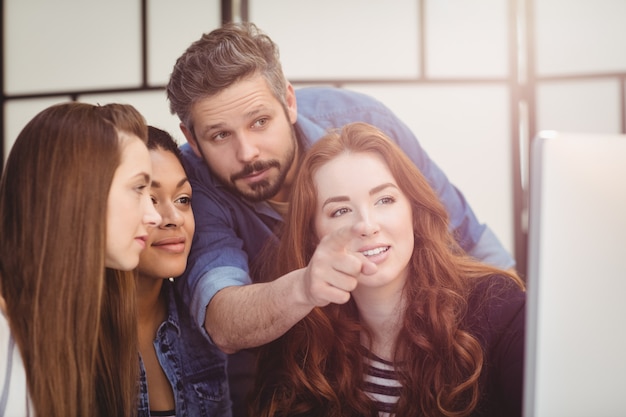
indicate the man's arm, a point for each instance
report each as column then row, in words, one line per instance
column 216, row 285
column 247, row 316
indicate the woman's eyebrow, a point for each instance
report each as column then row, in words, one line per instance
column 382, row 187
column 336, row 199
column 341, row 198
column 157, row 184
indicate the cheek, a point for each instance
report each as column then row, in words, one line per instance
column 119, row 215
column 319, row 230
column 321, row 227
column 400, row 220
column 131, row 212
column 149, row 263
column 190, row 223
column 406, row 227
column 220, row 163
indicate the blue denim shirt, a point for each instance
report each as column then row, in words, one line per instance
column 230, row 231
column 195, row 368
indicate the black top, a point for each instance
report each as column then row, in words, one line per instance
column 497, row 317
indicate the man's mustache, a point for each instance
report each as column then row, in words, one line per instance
column 255, row 166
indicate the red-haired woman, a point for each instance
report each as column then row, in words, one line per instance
column 428, row 331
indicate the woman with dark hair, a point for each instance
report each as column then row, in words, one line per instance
column 428, row 332
column 182, row 373
column 74, row 215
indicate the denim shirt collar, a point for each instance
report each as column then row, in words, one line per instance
column 172, row 316
column 196, row 370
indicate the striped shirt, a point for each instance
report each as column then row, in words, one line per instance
column 381, row 384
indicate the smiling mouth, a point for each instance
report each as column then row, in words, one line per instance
column 377, row 251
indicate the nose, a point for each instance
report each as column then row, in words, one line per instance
column 366, row 225
column 151, row 216
column 247, row 150
column 170, row 216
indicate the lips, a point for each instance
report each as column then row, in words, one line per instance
column 142, row 241
column 254, row 170
column 375, row 251
column 255, row 175
column 171, row 244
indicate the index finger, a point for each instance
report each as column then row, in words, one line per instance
column 340, row 239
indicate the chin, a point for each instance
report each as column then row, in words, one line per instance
column 380, row 280
column 171, row 272
column 123, row 265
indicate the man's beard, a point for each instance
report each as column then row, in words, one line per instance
column 264, row 189
column 259, row 190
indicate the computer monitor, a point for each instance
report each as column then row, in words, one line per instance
column 576, row 277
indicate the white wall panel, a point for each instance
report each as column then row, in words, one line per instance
column 466, row 130
column 71, row 44
column 172, row 27
column 467, row 38
column 578, row 36
column 151, row 104
column 328, row 39
column 579, row 106
column 19, row 112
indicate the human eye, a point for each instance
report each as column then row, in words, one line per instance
column 260, row 122
column 220, row 136
column 184, row 200
column 142, row 188
column 339, row 212
column 385, row 200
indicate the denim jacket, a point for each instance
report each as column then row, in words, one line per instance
column 195, row 368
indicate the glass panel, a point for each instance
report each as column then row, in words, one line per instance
column 580, row 36
column 328, row 39
column 153, row 105
column 19, row 112
column 71, row 44
column 172, row 27
column 467, row 38
column 579, row 106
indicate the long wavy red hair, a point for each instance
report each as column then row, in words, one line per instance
column 317, row 366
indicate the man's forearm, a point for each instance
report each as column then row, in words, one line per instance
column 246, row 316
column 241, row 317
